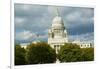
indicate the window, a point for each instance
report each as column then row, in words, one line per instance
column 55, row 47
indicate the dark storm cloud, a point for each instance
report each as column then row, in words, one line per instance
column 80, row 29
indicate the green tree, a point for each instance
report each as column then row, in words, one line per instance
column 88, row 54
column 19, row 55
column 73, row 53
column 70, row 53
column 40, row 53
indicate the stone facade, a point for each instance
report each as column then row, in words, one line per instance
column 57, row 35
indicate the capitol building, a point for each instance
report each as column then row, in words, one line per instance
column 58, row 36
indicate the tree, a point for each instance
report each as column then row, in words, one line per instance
column 19, row 55
column 70, row 53
column 40, row 53
column 88, row 54
column 73, row 53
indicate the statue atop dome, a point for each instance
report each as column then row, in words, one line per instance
column 57, row 12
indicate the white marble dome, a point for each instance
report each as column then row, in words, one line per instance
column 57, row 22
column 57, row 19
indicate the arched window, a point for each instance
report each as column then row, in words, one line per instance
column 52, row 35
column 55, row 47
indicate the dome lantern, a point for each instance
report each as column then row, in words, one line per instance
column 57, row 21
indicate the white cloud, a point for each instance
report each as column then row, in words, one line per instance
column 23, row 7
column 19, row 21
column 26, row 7
column 75, row 16
column 25, row 35
column 29, row 36
column 82, row 37
column 51, row 10
column 79, row 17
column 86, row 12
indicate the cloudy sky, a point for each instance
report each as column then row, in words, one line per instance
column 32, row 22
